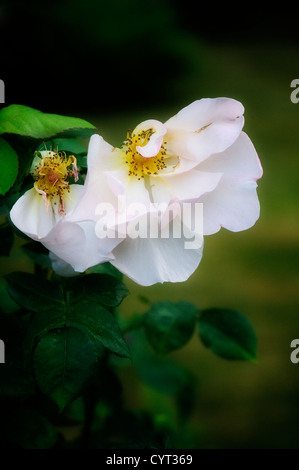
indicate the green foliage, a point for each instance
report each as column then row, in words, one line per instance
column 163, row 374
column 71, row 145
column 8, row 165
column 106, row 268
column 29, row 122
column 228, row 333
column 72, row 324
column 169, row 326
column 64, row 362
column 68, row 329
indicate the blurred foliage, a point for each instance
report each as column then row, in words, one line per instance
column 59, row 344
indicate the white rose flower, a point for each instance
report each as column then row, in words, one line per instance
column 200, row 155
column 41, row 213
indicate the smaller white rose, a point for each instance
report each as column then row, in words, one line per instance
column 41, row 213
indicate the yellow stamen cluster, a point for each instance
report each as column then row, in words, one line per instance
column 140, row 166
column 51, row 175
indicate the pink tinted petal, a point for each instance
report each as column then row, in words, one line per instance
column 152, row 148
column 66, row 241
column 72, row 197
column 101, row 185
column 233, row 205
column 238, row 161
column 185, row 186
column 203, row 128
column 203, row 112
column 198, row 146
column 92, row 194
column 124, row 185
column 77, row 244
column 29, row 215
column 151, row 260
column 157, row 127
column 99, row 156
column 116, row 181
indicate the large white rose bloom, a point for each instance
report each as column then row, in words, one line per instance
column 200, row 155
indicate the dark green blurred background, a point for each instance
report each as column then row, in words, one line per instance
column 117, row 63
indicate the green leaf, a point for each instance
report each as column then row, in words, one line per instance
column 106, row 268
column 228, row 333
column 169, row 326
column 82, row 302
column 106, row 289
column 8, row 165
column 101, row 324
column 81, row 161
column 29, row 122
column 33, row 293
column 64, row 362
column 73, row 146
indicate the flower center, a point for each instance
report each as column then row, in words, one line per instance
column 140, row 166
column 51, row 174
